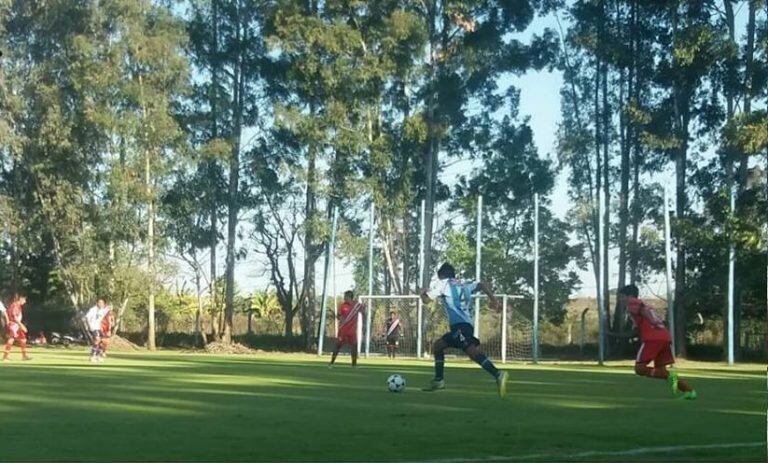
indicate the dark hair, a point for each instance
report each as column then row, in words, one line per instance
column 630, row 290
column 446, row 271
column 101, row 298
column 392, row 312
column 349, row 294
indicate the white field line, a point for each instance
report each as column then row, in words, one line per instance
column 595, row 453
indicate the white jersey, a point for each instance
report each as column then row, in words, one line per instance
column 2, row 307
column 95, row 316
column 456, row 299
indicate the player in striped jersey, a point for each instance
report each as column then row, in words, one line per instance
column 455, row 296
column 348, row 313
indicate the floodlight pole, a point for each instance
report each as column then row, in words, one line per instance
column 368, row 313
column 504, row 329
column 324, row 306
column 536, row 278
column 420, row 305
column 478, row 259
column 601, row 274
column 670, row 282
column 731, row 271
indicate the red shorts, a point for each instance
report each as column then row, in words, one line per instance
column 660, row 352
column 347, row 338
column 14, row 331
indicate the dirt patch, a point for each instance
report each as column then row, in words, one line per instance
column 224, row 348
column 120, row 344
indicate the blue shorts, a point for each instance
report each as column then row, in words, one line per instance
column 461, row 336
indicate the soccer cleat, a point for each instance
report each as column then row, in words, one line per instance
column 435, row 385
column 93, row 359
column 502, row 383
column 690, row 395
column 27, row 358
column 672, row 380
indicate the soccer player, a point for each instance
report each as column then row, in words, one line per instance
column 348, row 312
column 656, row 343
column 455, row 296
column 394, row 333
column 94, row 319
column 106, row 331
column 14, row 327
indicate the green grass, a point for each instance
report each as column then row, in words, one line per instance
column 174, row 406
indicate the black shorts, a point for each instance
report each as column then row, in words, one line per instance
column 461, row 336
column 393, row 340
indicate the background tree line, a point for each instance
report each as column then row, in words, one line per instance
column 142, row 140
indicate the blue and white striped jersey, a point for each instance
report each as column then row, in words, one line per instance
column 456, row 298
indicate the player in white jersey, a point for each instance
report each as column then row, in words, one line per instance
column 455, row 296
column 94, row 318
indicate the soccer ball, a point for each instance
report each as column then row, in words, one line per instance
column 396, row 383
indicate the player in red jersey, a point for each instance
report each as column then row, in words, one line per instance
column 106, row 330
column 348, row 312
column 656, row 343
column 15, row 329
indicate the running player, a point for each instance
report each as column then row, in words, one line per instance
column 455, row 296
column 656, row 343
column 394, row 333
column 14, row 327
column 348, row 312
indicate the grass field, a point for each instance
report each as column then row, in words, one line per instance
column 189, row 407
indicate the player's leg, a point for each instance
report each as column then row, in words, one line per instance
column 438, row 350
column 664, row 359
column 103, row 345
column 23, row 345
column 7, row 348
column 645, row 355
column 353, row 352
column 95, row 341
column 336, row 349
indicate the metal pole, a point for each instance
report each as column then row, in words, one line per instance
column 422, row 272
column 601, row 275
column 535, row 278
column 478, row 260
column 368, row 313
column 504, row 329
column 419, row 328
column 670, row 282
column 422, row 232
column 731, row 271
column 324, row 307
column 335, row 297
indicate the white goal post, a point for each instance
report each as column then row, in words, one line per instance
column 507, row 335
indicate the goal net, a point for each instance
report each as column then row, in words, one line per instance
column 505, row 335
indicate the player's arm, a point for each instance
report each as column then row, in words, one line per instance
column 646, row 313
column 486, row 289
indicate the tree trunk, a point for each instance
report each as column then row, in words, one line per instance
column 213, row 234
column 234, row 182
column 432, row 145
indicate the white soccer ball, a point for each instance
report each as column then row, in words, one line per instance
column 396, row 383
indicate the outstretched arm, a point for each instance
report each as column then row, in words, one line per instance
column 485, row 289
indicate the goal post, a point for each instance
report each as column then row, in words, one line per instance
column 506, row 335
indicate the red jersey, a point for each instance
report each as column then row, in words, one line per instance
column 348, row 315
column 106, row 323
column 647, row 321
column 15, row 313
